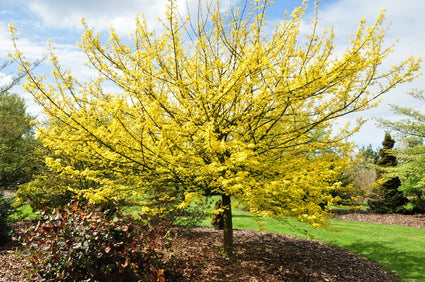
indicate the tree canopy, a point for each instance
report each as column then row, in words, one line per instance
column 216, row 104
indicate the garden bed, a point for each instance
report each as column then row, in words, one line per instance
column 261, row 256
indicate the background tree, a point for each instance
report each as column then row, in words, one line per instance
column 363, row 171
column 216, row 105
column 411, row 170
column 369, row 154
column 411, row 173
column 388, row 198
column 358, row 178
column 19, row 150
column 15, row 147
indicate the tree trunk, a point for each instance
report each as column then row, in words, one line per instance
column 228, row 226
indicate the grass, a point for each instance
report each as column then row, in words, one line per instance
column 397, row 248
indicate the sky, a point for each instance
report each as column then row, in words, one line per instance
column 59, row 21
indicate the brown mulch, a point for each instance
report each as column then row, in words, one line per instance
column 264, row 256
column 12, row 268
column 416, row 221
column 260, row 256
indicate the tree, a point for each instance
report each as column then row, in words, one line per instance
column 411, row 170
column 6, row 209
column 411, row 174
column 369, row 154
column 364, row 170
column 411, row 128
column 19, row 158
column 216, row 105
column 389, row 198
column 18, row 147
column 15, row 129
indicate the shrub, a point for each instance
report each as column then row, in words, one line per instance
column 165, row 206
column 6, row 209
column 46, row 190
column 76, row 243
column 187, row 217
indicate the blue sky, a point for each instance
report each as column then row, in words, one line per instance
column 59, row 21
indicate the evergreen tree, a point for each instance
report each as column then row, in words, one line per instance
column 18, row 157
column 388, row 199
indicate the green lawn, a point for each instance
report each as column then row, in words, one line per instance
column 397, row 248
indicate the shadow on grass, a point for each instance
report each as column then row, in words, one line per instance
column 410, row 266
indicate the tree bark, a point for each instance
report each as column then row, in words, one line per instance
column 228, row 226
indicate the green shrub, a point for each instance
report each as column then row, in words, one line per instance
column 46, row 190
column 6, row 209
column 166, row 200
column 187, row 217
column 415, row 206
column 78, row 243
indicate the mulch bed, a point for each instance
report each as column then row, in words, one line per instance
column 264, row 256
column 416, row 221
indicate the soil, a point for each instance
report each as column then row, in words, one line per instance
column 260, row 256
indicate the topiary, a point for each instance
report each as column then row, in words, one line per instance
column 388, row 198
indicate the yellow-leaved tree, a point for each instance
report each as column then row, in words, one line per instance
column 217, row 104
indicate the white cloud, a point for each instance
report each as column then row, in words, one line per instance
column 68, row 14
column 5, row 79
column 100, row 14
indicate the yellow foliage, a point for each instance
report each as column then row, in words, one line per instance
column 216, row 105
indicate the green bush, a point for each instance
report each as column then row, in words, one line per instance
column 167, row 199
column 53, row 190
column 6, row 209
column 46, row 190
column 78, row 243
